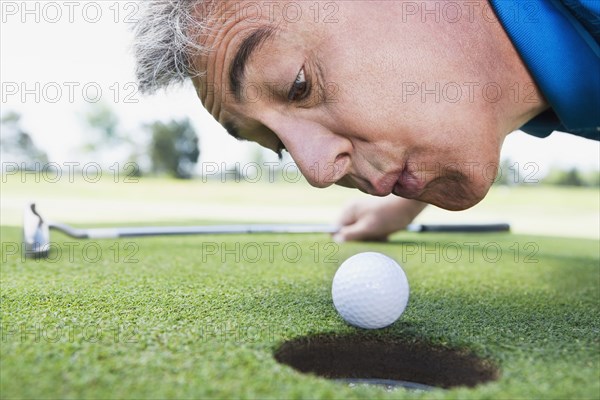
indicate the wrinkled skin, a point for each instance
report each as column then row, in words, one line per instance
column 379, row 101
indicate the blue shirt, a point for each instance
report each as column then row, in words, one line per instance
column 559, row 42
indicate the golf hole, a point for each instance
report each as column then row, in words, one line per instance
column 386, row 363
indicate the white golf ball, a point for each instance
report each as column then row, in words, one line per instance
column 370, row 290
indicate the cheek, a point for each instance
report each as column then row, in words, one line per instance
column 361, row 109
column 388, row 92
column 376, row 104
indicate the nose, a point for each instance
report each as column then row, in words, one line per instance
column 322, row 156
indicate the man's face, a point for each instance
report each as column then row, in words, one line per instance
column 359, row 93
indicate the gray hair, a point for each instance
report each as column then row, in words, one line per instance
column 165, row 41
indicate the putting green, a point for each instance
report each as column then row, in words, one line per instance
column 201, row 317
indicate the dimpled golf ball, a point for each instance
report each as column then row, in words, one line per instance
column 370, row 290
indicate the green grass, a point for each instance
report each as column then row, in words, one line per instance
column 180, row 317
column 198, row 317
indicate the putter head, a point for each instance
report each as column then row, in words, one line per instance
column 36, row 234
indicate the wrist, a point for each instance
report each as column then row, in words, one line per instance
column 402, row 212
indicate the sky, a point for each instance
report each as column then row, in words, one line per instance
column 59, row 59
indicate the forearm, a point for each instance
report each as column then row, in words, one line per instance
column 400, row 212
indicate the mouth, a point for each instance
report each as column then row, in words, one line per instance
column 408, row 185
column 403, row 183
column 381, row 187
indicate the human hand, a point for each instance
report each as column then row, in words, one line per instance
column 376, row 219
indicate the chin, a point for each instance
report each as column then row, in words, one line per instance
column 454, row 196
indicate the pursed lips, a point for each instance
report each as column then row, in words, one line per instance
column 401, row 183
column 381, row 187
column 409, row 185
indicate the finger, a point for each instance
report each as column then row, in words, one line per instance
column 348, row 216
column 357, row 232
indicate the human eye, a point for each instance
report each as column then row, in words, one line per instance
column 300, row 88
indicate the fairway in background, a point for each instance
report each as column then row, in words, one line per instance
column 541, row 210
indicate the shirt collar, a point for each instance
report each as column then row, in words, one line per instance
column 564, row 60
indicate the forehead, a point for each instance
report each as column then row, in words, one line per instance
column 232, row 10
column 232, row 36
column 229, row 33
column 220, row 19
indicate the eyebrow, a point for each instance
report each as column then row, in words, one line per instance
column 238, row 67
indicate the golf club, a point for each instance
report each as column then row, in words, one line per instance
column 36, row 230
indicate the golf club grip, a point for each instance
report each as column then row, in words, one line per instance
column 461, row 228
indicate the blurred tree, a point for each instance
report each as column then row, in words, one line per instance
column 107, row 141
column 571, row 177
column 18, row 144
column 508, row 174
column 592, row 178
column 174, row 148
column 103, row 120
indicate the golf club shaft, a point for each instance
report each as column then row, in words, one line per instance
column 459, row 228
column 107, row 233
